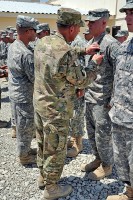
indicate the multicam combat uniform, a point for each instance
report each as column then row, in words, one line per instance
column 57, row 73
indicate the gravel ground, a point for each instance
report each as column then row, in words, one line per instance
column 19, row 183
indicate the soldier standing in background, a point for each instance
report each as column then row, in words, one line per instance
column 87, row 35
column 57, row 73
column 98, row 95
column 122, row 35
column 121, row 113
column 21, row 84
column 77, row 122
column 43, row 30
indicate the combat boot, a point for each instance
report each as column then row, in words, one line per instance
column 76, row 148
column 91, row 166
column 40, row 181
column 26, row 160
column 55, row 191
column 100, row 173
column 127, row 196
column 13, row 132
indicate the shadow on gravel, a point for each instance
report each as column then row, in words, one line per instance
column 31, row 166
column 5, row 89
column 5, row 100
column 85, row 189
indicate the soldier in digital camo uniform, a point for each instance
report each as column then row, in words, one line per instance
column 21, row 83
column 57, row 73
column 121, row 112
column 97, row 97
column 122, row 35
column 77, row 122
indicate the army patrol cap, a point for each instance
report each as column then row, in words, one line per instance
column 129, row 5
column 15, row 35
column 4, row 35
column 86, row 31
column 68, row 17
column 122, row 33
column 94, row 15
column 42, row 27
column 26, row 22
column 9, row 27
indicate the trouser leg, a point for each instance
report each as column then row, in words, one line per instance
column 123, row 152
column 103, row 136
column 90, row 127
column 77, row 122
column 13, row 114
column 52, row 139
column 24, row 127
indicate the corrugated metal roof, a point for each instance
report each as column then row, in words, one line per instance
column 33, row 8
column 25, row 7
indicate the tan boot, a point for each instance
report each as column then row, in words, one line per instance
column 117, row 197
column 100, row 173
column 40, row 181
column 91, row 166
column 13, row 132
column 76, row 148
column 127, row 196
column 26, row 160
column 55, row 191
column 70, row 142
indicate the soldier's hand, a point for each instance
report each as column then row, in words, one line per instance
column 3, row 67
column 92, row 49
column 80, row 93
column 98, row 58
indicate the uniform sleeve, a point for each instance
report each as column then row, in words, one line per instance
column 112, row 52
column 28, row 63
column 71, row 69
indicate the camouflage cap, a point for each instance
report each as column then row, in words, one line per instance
column 53, row 32
column 42, row 27
column 129, row 5
column 2, row 31
column 122, row 33
column 68, row 17
column 94, row 15
column 13, row 29
column 4, row 35
column 9, row 27
column 86, row 31
column 26, row 22
column 15, row 35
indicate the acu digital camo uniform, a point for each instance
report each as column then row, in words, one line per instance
column 121, row 112
column 98, row 96
column 76, row 128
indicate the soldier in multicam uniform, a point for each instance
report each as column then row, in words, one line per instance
column 77, row 129
column 98, row 96
column 121, row 113
column 57, row 73
column 21, row 83
column 122, row 35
